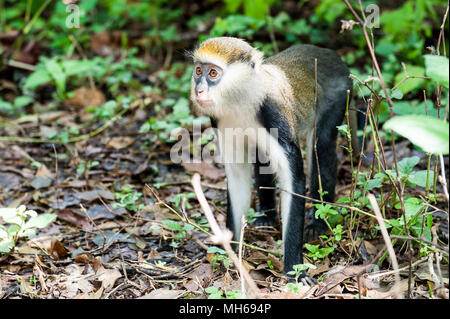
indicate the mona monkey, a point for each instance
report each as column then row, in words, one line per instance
column 237, row 88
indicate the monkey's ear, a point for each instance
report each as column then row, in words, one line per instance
column 252, row 64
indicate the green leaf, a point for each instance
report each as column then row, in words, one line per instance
column 437, row 68
column 6, row 245
column 412, row 83
column 173, row 225
column 37, row 78
column 181, row 109
column 415, row 108
column 406, row 165
column 420, row 178
column 40, row 221
column 22, row 101
column 57, row 73
column 430, row 134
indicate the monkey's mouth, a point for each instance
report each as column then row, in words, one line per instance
column 205, row 103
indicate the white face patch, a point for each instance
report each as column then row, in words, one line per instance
column 239, row 91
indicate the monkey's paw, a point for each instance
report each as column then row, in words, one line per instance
column 263, row 222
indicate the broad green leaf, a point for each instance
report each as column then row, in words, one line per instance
column 430, row 134
column 22, row 101
column 181, row 109
column 420, row 178
column 373, row 183
column 437, row 68
column 411, row 83
column 171, row 224
column 40, row 221
column 415, row 108
column 37, row 78
column 57, row 73
column 406, row 165
column 6, row 245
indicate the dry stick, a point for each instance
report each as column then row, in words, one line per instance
column 442, row 178
column 241, row 240
column 443, row 249
column 438, row 257
column 222, row 237
column 387, row 240
column 95, row 225
column 315, row 130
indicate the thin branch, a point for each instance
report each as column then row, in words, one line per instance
column 222, row 237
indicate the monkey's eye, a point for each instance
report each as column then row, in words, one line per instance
column 198, row 70
column 213, row 73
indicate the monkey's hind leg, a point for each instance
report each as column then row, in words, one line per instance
column 267, row 200
column 327, row 158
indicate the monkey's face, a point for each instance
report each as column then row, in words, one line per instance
column 205, row 77
column 220, row 89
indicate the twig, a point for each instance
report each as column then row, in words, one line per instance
column 222, row 237
column 387, row 241
column 101, row 231
column 443, row 249
column 442, row 179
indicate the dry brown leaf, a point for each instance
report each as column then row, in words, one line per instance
column 57, row 249
column 84, row 258
column 205, row 169
column 162, row 293
column 200, row 276
column 321, row 267
column 43, row 171
column 336, row 276
column 69, row 216
column 86, row 97
column 108, row 277
column 120, row 142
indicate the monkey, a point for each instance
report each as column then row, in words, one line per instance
column 299, row 93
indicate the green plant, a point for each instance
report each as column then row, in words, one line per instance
column 84, row 166
column 22, row 223
column 315, row 252
column 297, row 271
column 180, row 229
column 219, row 255
column 13, row 108
column 252, row 215
column 128, row 198
column 178, row 198
column 214, row 293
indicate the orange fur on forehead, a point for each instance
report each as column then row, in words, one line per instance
column 227, row 49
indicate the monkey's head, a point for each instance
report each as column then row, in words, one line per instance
column 225, row 76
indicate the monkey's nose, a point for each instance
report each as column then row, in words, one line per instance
column 198, row 92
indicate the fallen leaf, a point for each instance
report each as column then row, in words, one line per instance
column 57, row 249
column 206, row 169
column 202, row 275
column 94, row 194
column 108, row 277
column 163, row 293
column 336, row 275
column 86, row 97
column 69, row 216
column 120, row 142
